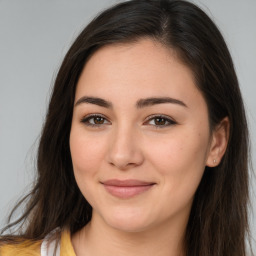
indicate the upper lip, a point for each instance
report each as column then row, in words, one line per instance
column 126, row 183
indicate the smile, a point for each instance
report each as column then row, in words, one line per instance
column 126, row 188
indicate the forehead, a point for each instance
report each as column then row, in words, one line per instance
column 144, row 69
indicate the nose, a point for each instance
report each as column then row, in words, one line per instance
column 124, row 149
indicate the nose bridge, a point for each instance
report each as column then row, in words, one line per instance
column 125, row 148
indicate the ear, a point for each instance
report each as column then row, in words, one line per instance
column 219, row 143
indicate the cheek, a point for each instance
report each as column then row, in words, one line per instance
column 180, row 162
column 87, row 155
column 86, row 152
column 178, row 151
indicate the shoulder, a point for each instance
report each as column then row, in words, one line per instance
column 58, row 244
column 27, row 248
column 62, row 245
column 66, row 244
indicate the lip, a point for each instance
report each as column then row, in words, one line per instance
column 126, row 188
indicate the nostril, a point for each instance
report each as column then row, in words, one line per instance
column 124, row 150
column 125, row 161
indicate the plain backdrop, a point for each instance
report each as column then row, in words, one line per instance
column 35, row 35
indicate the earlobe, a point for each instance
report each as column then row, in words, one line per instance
column 220, row 137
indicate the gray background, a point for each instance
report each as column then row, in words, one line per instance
column 35, row 35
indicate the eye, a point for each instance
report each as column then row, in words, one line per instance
column 95, row 120
column 160, row 121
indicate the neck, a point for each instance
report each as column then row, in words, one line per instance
column 98, row 239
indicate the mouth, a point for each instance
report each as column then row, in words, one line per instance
column 126, row 188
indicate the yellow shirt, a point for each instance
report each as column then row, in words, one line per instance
column 34, row 249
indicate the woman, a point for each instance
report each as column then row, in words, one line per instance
column 144, row 150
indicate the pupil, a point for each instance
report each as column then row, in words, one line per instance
column 98, row 120
column 160, row 121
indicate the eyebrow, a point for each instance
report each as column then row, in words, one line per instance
column 140, row 103
column 154, row 101
column 94, row 100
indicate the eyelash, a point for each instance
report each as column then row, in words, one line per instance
column 163, row 117
column 86, row 120
column 166, row 119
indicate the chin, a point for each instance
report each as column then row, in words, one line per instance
column 128, row 221
column 129, row 226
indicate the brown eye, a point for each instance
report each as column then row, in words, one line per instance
column 98, row 120
column 160, row 121
column 95, row 120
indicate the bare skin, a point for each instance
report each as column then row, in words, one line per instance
column 138, row 160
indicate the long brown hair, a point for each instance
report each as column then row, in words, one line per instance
column 218, row 223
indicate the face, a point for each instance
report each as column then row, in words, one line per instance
column 140, row 136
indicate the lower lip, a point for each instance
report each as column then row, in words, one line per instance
column 127, row 192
